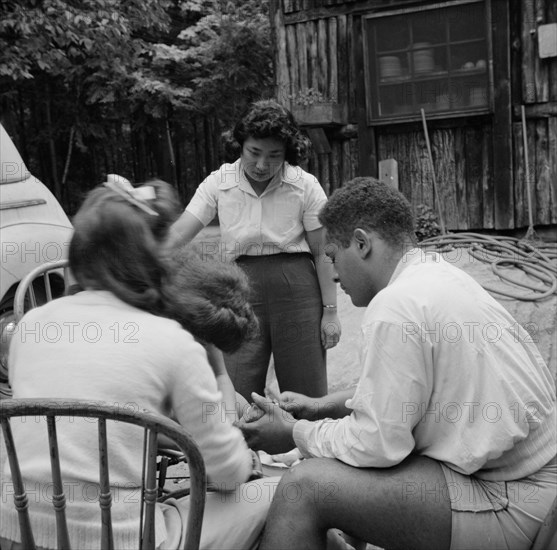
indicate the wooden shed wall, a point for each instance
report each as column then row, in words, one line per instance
column 461, row 158
column 478, row 160
column 535, row 86
column 317, row 55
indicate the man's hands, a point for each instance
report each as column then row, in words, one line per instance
column 300, row 406
column 273, row 431
column 303, row 407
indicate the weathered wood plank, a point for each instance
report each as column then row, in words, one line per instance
column 354, row 167
column 318, row 11
column 473, row 174
column 353, row 93
column 346, row 173
column 381, row 148
column 528, row 52
column 325, row 174
column 397, row 151
column 552, row 147
column 302, row 56
column 515, row 21
column 543, row 185
column 314, row 163
column 552, row 76
column 502, row 140
column 541, row 76
column 487, row 178
column 313, row 69
column 288, row 6
column 541, row 110
column 311, row 166
column 322, row 56
column 460, row 178
column 282, row 77
column 332, row 91
column 533, row 176
column 343, row 63
column 444, row 164
column 407, row 157
column 291, row 50
column 420, row 171
column 335, row 169
column 521, row 209
column 541, row 72
column 368, row 149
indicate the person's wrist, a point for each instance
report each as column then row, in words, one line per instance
column 256, row 467
column 317, row 409
column 329, row 310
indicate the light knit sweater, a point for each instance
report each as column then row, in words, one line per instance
column 94, row 346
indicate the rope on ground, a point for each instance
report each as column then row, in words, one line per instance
column 537, row 259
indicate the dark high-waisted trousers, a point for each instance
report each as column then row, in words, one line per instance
column 287, row 301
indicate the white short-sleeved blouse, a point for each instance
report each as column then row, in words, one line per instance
column 274, row 222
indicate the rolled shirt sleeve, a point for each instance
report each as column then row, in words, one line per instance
column 315, row 199
column 378, row 432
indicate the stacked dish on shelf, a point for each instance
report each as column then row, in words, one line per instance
column 478, row 96
column 389, row 66
column 423, row 57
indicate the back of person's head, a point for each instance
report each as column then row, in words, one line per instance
column 368, row 204
column 267, row 118
column 209, row 298
column 115, row 245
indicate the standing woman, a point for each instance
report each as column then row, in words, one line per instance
column 267, row 208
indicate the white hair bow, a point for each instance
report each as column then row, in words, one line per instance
column 138, row 196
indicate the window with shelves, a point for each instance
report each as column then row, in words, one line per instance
column 433, row 57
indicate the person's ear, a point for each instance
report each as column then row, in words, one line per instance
column 363, row 242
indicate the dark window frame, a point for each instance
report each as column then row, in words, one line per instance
column 408, row 86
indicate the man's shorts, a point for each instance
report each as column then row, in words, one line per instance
column 499, row 515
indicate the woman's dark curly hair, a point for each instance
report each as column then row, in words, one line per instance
column 267, row 118
column 209, row 298
column 368, row 204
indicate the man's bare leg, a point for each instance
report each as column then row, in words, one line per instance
column 406, row 506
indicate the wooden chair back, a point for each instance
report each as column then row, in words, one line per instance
column 153, row 425
column 25, row 296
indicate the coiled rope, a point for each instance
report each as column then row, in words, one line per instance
column 537, row 259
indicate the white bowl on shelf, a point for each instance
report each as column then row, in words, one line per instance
column 477, row 96
column 389, row 66
column 423, row 57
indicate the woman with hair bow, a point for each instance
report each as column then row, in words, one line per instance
column 127, row 345
column 267, row 207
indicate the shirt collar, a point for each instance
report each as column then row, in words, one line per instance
column 234, row 176
column 412, row 257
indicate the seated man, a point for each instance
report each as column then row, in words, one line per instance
column 449, row 439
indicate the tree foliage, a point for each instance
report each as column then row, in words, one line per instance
column 88, row 86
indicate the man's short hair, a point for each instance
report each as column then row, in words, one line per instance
column 368, row 204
